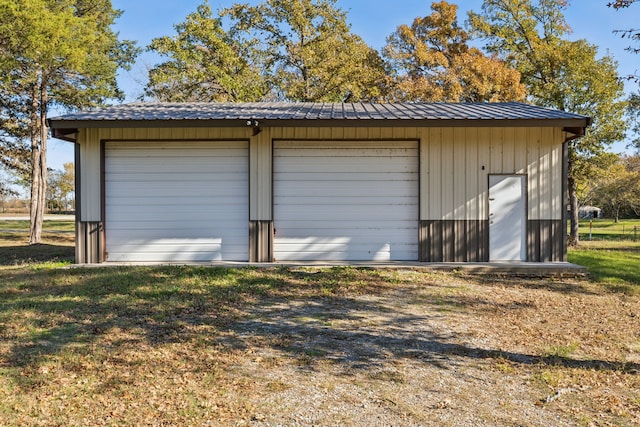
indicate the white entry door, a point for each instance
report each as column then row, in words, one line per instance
column 507, row 218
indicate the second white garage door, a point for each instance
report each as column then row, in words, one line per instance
column 176, row 201
column 347, row 201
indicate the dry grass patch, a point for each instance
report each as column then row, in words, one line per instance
column 343, row 346
column 310, row 346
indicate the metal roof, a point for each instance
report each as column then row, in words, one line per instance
column 318, row 111
column 264, row 114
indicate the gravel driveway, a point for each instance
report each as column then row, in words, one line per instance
column 454, row 354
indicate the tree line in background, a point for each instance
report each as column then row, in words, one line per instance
column 614, row 186
column 53, row 53
column 64, row 53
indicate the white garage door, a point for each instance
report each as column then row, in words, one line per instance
column 176, row 202
column 346, row 201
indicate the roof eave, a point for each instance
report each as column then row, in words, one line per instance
column 65, row 134
column 65, row 129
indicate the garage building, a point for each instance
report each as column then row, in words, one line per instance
column 277, row 182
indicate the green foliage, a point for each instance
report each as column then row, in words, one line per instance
column 66, row 48
column 52, row 53
column 433, row 62
column 205, row 64
column 300, row 50
column 633, row 114
column 617, row 187
column 309, row 51
column 60, row 188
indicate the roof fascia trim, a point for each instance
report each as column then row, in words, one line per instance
column 66, row 127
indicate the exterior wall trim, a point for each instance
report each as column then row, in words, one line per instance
column 565, row 199
column 260, row 241
column 68, row 127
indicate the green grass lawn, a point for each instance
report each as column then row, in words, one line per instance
column 166, row 345
column 58, row 240
column 611, row 256
column 616, row 266
column 49, row 225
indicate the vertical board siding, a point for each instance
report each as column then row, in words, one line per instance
column 88, row 242
column 90, row 176
column 260, row 174
column 533, row 172
column 545, row 241
column 521, row 137
column 455, row 185
column 454, row 241
column 260, row 241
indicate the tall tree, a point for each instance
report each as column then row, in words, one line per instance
column 632, row 33
column 633, row 112
column 562, row 74
column 433, row 62
column 6, row 192
column 206, row 63
column 52, row 53
column 60, row 187
column 617, row 188
column 310, row 52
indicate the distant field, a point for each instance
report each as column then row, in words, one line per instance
column 58, row 240
column 50, row 225
column 607, row 229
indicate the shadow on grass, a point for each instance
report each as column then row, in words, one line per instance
column 27, row 254
column 554, row 285
column 319, row 328
column 310, row 317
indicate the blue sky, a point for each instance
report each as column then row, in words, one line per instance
column 373, row 20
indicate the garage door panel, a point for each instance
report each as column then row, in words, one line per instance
column 363, row 202
column 195, row 164
column 154, row 193
column 152, row 212
column 345, row 149
column 195, row 202
column 347, row 177
column 159, row 177
column 188, row 253
column 151, row 233
column 381, row 218
column 345, row 252
column 339, row 203
column 375, row 232
column 295, row 190
column 336, row 165
column 182, row 202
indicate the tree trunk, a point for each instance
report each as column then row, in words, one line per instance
column 38, row 163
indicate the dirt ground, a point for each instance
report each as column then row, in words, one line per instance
column 449, row 352
column 314, row 347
